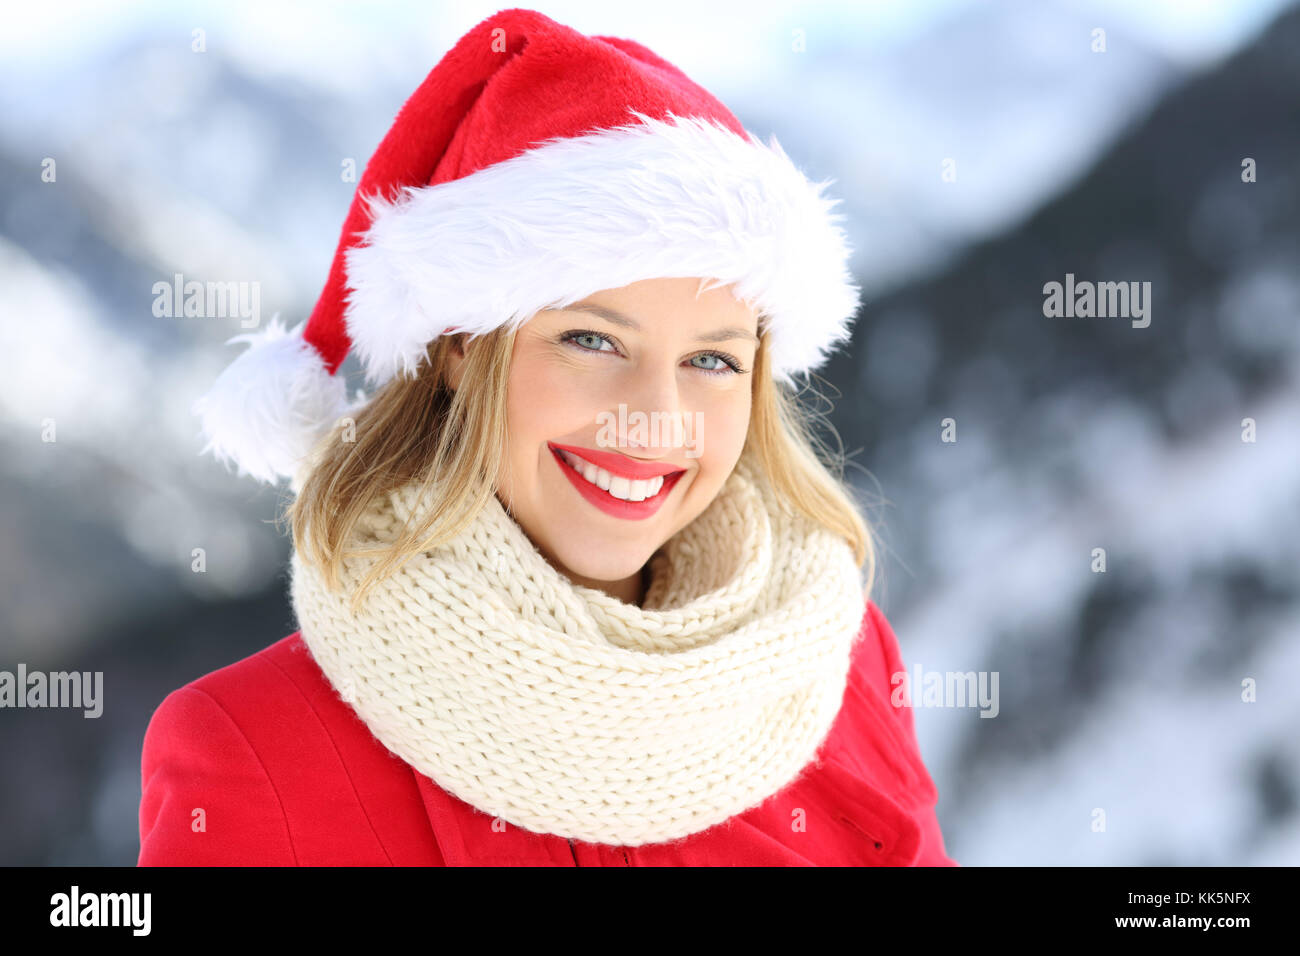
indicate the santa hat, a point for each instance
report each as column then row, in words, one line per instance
column 533, row 167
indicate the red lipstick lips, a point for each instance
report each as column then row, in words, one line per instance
column 620, row 466
column 623, row 467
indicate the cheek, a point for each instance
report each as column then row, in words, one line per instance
column 723, row 425
column 545, row 401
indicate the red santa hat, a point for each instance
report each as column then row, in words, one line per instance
column 533, row 167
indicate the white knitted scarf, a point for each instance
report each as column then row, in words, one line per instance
column 563, row 710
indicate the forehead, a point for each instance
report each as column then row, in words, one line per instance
column 686, row 302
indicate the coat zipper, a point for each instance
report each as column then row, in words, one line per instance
column 575, row 854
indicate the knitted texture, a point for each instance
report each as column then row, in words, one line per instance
column 565, row 711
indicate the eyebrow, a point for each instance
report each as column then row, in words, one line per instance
column 618, row 318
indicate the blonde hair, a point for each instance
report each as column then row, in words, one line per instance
column 454, row 441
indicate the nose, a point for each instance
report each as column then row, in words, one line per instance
column 653, row 415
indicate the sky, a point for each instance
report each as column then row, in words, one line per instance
column 883, row 93
column 1191, row 31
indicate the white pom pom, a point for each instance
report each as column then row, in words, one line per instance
column 271, row 404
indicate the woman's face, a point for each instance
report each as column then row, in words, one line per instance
column 649, row 386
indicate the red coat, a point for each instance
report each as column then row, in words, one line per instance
column 262, row 763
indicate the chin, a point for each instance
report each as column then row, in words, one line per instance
column 603, row 568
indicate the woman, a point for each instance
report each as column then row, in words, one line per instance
column 574, row 586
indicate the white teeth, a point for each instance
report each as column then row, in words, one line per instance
column 622, row 488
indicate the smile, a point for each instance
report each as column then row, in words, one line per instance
column 620, row 495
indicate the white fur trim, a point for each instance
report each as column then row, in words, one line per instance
column 271, row 404
column 660, row 199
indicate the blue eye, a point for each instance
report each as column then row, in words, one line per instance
column 729, row 366
column 579, row 334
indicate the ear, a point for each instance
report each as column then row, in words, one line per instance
column 455, row 360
